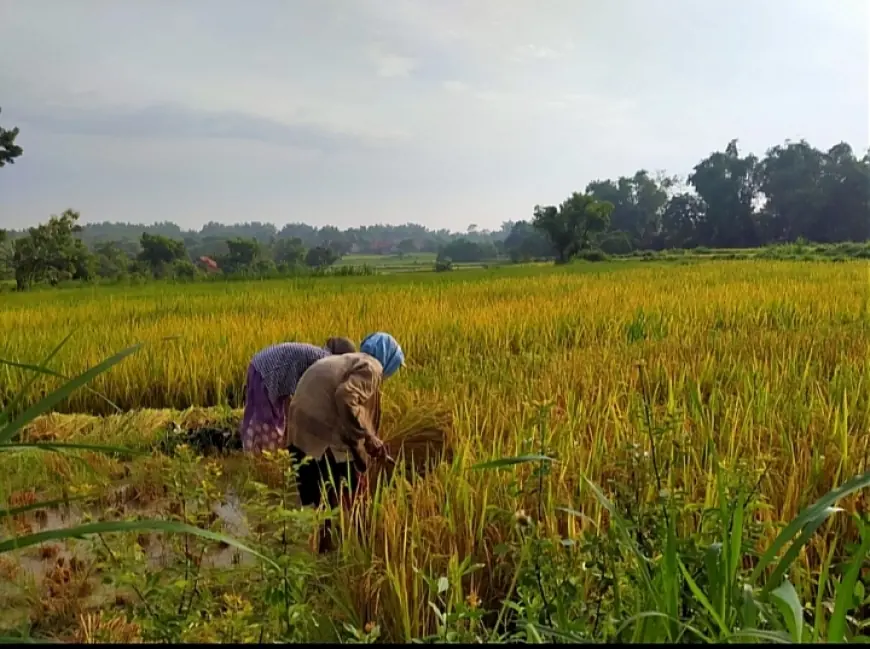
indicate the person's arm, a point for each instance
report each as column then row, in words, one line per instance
column 357, row 399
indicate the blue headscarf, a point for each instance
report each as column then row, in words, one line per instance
column 384, row 348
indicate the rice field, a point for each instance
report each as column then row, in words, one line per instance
column 759, row 369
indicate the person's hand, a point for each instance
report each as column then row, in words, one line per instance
column 375, row 447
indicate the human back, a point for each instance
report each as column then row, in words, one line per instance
column 336, row 405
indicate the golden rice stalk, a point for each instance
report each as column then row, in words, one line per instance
column 96, row 629
column 419, row 432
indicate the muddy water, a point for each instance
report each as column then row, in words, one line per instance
column 157, row 550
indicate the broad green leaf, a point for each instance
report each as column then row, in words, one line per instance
column 846, row 590
column 810, row 513
column 787, row 601
column 788, row 558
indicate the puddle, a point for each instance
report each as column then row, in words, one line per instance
column 36, row 562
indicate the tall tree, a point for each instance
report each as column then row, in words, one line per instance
column 728, row 184
column 50, row 252
column 790, row 178
column 242, row 256
column 288, row 251
column 638, row 203
column 571, row 225
column 8, row 149
column 160, row 252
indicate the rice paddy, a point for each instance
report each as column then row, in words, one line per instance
column 760, row 369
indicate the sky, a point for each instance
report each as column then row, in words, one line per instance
column 440, row 112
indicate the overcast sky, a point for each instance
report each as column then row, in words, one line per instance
column 441, row 112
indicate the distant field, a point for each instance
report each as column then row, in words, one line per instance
column 758, row 367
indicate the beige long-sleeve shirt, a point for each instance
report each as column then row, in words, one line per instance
column 336, row 407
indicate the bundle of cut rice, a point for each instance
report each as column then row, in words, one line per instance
column 419, row 433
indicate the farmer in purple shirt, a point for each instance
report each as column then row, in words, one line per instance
column 272, row 378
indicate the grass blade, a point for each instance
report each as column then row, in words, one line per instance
column 60, row 447
column 44, row 370
column 845, row 590
column 505, row 462
column 50, row 401
column 14, row 405
column 810, row 513
column 22, row 542
column 701, row 597
column 44, row 504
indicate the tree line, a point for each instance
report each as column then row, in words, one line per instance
column 729, row 200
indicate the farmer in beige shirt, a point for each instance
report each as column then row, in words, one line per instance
column 334, row 417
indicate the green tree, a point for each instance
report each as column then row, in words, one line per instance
column 6, row 266
column 321, row 257
column 160, row 252
column 406, row 247
column 242, row 256
column 8, row 149
column 681, row 221
column 728, row 184
column 525, row 243
column 638, row 204
column 112, row 262
column 50, row 252
column 790, row 177
column 571, row 226
column 288, row 252
column 466, row 251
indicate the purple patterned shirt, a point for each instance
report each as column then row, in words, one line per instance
column 282, row 365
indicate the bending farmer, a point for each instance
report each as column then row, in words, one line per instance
column 335, row 415
column 273, row 375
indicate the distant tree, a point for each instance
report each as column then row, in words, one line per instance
column 465, row 251
column 50, row 252
column 5, row 254
column 8, row 149
column 242, row 256
column 682, row 221
column 321, row 257
column 571, row 226
column 159, row 253
column 638, row 203
column 728, row 184
column 406, row 247
column 112, row 262
column 288, row 252
column 525, row 242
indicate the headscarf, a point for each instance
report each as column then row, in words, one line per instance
column 384, row 348
column 340, row 345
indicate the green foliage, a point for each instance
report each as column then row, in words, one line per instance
column 51, row 252
column 570, row 226
column 242, row 257
column 8, row 149
column 288, row 252
column 160, row 253
column 321, row 257
column 526, row 243
column 463, row 250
